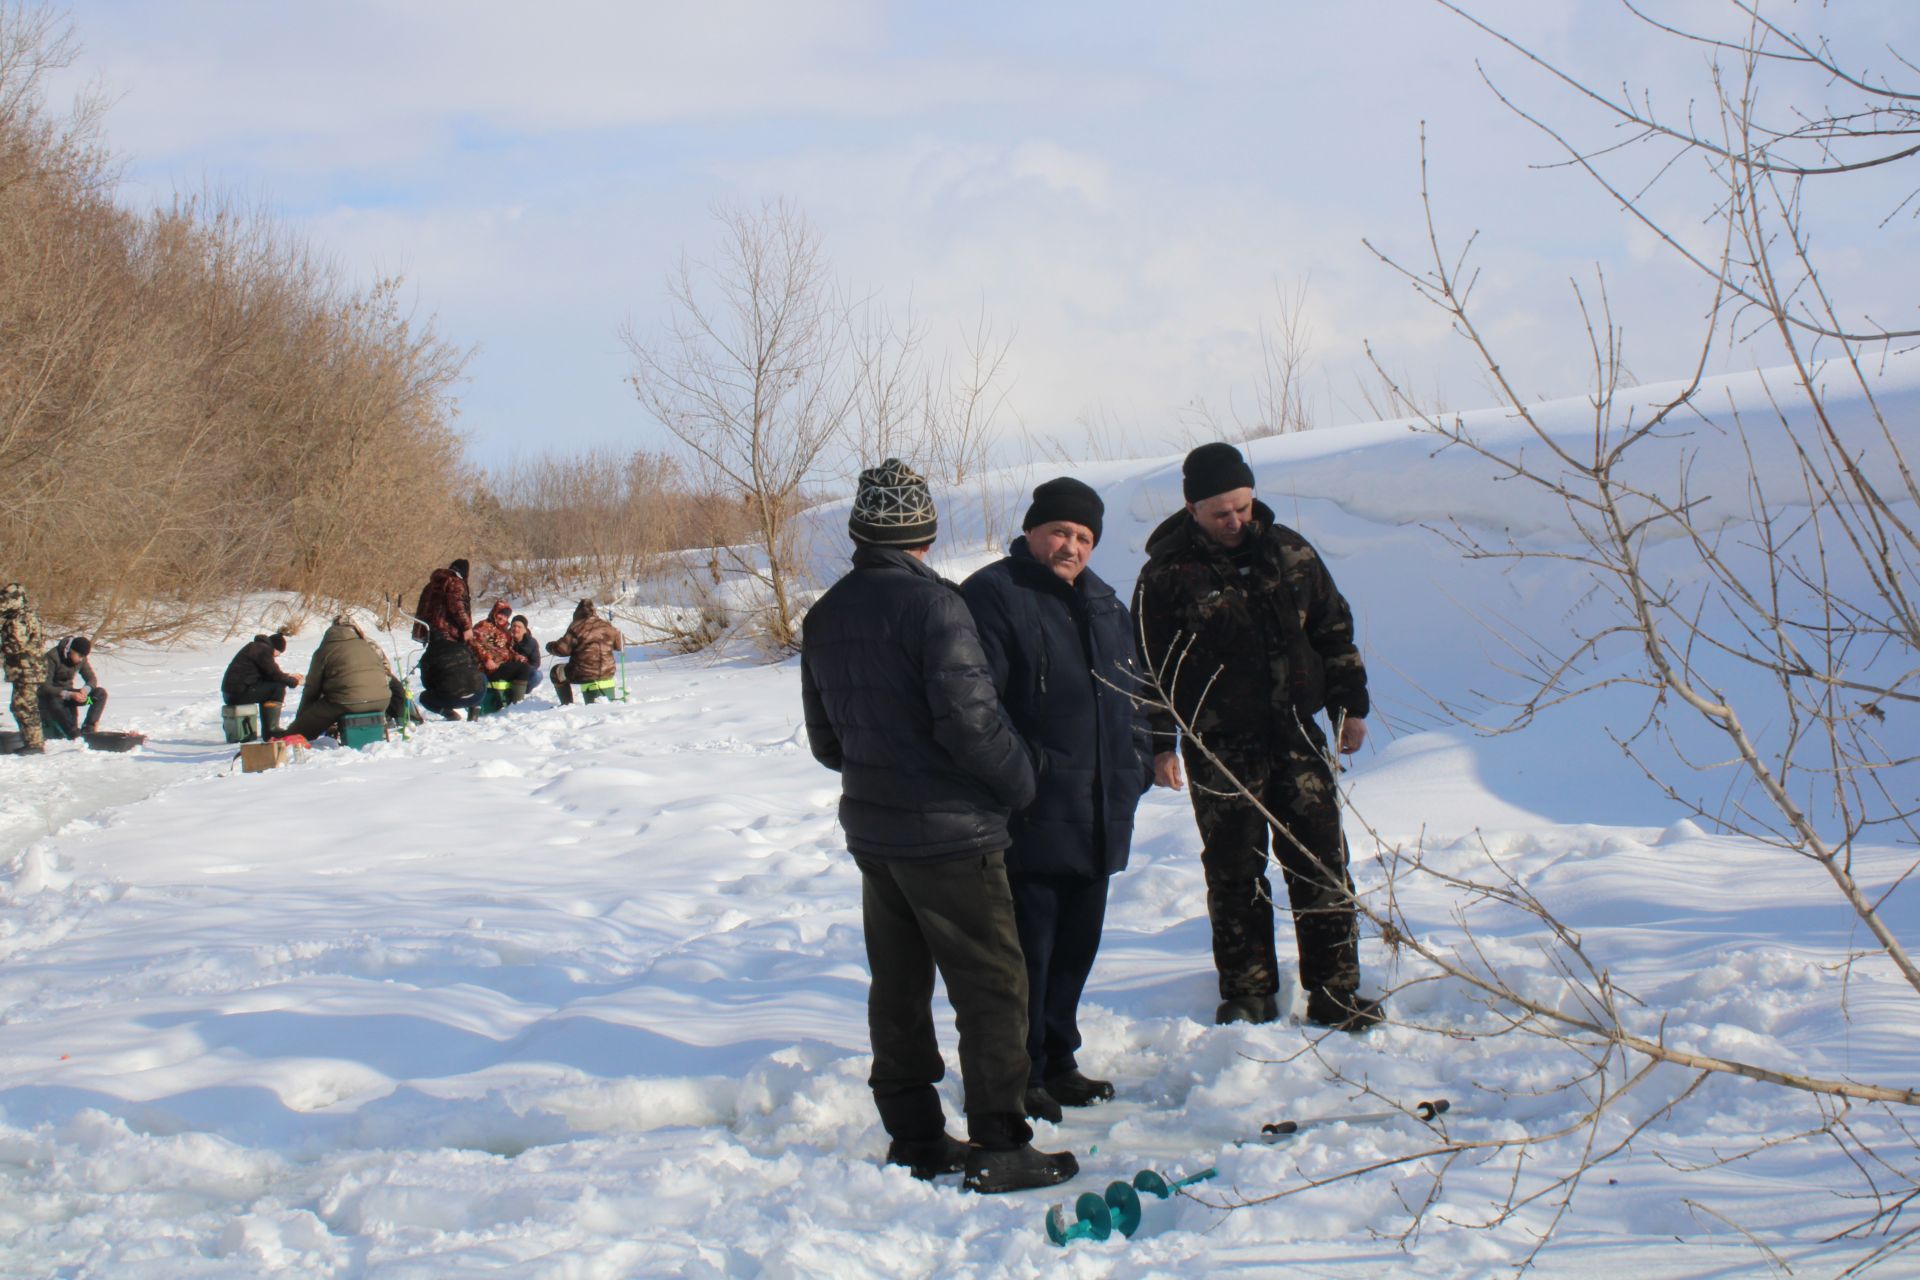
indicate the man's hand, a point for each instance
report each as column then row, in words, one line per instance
column 298, row 679
column 1166, row 771
column 1353, row 732
column 77, row 695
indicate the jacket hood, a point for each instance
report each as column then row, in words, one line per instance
column 501, row 609
column 584, row 610
column 340, row 631
column 1178, row 532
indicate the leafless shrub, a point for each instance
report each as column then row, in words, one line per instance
column 598, row 519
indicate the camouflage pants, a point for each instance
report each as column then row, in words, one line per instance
column 26, row 713
column 1296, row 786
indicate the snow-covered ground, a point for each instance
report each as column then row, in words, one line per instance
column 579, row 992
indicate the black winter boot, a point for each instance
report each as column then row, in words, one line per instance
column 928, row 1158
column 1344, row 1010
column 1246, row 1009
column 269, row 719
column 1071, row 1089
column 993, row 1172
column 1041, row 1105
column 516, row 690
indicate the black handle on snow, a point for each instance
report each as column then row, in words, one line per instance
column 1424, row 1111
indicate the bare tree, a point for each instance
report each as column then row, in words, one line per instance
column 750, row 377
column 1752, row 565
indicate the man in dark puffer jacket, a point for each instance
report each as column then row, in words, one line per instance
column 254, row 676
column 899, row 701
column 1061, row 647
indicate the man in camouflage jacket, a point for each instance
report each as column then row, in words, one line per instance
column 1248, row 639
column 20, row 639
column 589, row 646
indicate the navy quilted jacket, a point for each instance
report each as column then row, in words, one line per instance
column 1063, row 660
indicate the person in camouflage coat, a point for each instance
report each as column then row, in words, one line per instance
column 1249, row 639
column 588, row 645
column 21, row 636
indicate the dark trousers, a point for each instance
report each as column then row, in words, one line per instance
column 318, row 716
column 954, row 915
column 57, row 710
column 437, row 701
column 1296, row 786
column 1059, row 918
column 263, row 692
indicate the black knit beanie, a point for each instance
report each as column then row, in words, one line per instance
column 459, row 567
column 1213, row 469
column 892, row 507
column 278, row 640
column 1065, row 499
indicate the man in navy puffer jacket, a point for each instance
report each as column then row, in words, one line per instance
column 1062, row 648
column 899, row 702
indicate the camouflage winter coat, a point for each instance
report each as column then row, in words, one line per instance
column 443, row 609
column 492, row 641
column 21, row 636
column 589, row 645
column 1244, row 649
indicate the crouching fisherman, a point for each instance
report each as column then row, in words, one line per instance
column 589, row 646
column 494, row 649
column 61, row 697
column 451, row 677
column 348, row 676
column 254, row 677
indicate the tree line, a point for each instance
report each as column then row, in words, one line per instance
column 193, row 402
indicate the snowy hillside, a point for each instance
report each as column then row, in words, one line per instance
column 579, row 992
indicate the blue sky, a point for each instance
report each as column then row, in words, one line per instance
column 1119, row 187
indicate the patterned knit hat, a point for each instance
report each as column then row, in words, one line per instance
column 892, row 507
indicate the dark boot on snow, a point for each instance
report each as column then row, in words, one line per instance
column 1071, row 1089
column 928, row 1158
column 994, row 1172
column 1344, row 1010
column 1246, row 1009
column 516, row 690
column 269, row 719
column 1041, row 1105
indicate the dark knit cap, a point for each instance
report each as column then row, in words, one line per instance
column 1213, row 469
column 1065, row 499
column 892, row 507
column 278, row 640
column 459, row 567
